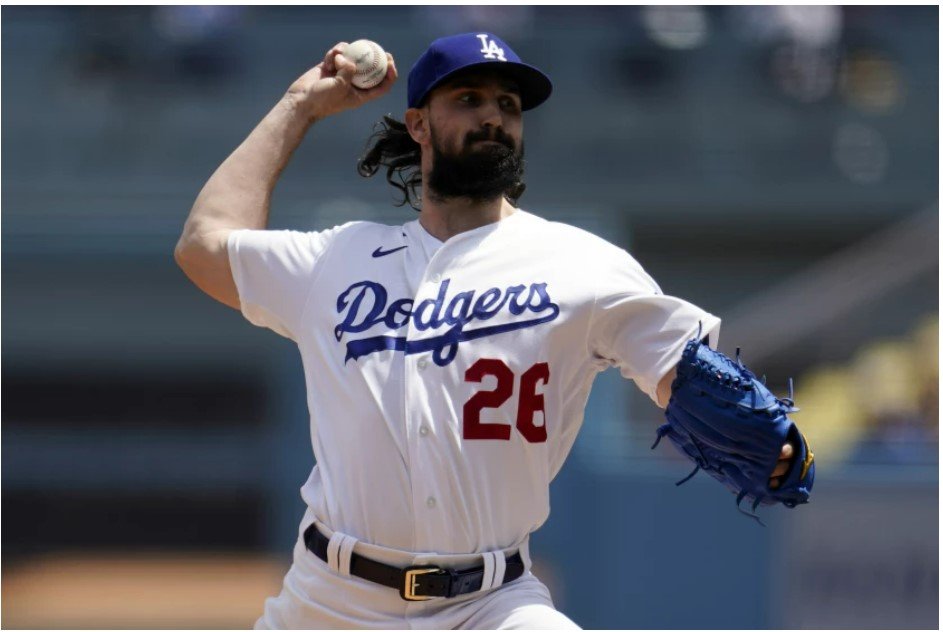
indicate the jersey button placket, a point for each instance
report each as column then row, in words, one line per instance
column 418, row 372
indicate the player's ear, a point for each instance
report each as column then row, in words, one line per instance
column 417, row 124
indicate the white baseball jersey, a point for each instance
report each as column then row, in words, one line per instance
column 446, row 382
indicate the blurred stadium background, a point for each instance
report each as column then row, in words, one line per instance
column 776, row 165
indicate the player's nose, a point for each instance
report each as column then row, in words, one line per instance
column 490, row 113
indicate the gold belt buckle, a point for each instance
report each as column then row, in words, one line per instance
column 411, row 584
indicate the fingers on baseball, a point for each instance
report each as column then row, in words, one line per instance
column 328, row 64
column 346, row 69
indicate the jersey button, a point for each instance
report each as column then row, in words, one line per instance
column 422, row 364
column 435, row 278
column 424, row 430
column 430, row 502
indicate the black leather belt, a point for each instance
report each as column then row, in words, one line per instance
column 415, row 583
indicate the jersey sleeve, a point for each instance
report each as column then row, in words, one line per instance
column 637, row 328
column 274, row 272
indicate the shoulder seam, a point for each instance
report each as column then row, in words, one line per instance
column 317, row 275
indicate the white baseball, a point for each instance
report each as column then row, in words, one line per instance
column 371, row 63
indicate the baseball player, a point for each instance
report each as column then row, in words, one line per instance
column 448, row 359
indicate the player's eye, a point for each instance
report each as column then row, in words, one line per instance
column 468, row 97
column 510, row 104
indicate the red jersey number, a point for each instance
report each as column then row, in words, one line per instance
column 531, row 417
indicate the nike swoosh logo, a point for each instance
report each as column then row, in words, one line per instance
column 379, row 252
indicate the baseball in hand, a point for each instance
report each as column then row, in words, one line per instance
column 370, row 59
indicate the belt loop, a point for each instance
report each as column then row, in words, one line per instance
column 500, row 565
column 524, row 550
column 495, row 564
column 344, row 555
column 339, row 549
column 487, row 578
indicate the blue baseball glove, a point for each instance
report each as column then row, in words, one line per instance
column 727, row 422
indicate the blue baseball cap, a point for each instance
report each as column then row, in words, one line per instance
column 446, row 56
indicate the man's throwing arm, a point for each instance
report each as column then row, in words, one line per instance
column 238, row 194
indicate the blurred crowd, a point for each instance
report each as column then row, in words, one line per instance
column 880, row 407
column 805, row 55
column 178, row 41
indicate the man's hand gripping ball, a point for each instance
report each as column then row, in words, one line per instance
column 329, row 87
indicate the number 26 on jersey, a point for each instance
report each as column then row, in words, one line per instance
column 531, row 417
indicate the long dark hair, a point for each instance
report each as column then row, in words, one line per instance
column 392, row 147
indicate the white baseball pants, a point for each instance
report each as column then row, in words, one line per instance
column 319, row 595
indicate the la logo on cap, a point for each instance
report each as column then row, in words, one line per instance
column 451, row 54
column 489, row 49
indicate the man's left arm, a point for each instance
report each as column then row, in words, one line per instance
column 719, row 414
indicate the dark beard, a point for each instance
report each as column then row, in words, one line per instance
column 477, row 173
